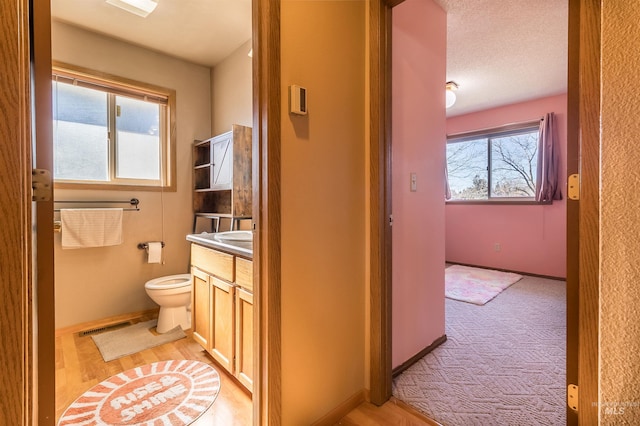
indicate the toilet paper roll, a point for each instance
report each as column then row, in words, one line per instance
column 155, row 252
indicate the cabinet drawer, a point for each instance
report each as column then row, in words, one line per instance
column 244, row 273
column 213, row 261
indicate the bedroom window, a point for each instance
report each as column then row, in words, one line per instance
column 111, row 132
column 494, row 165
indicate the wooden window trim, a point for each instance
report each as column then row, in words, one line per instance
column 131, row 88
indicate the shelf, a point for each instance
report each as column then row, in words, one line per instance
column 222, row 173
column 213, row 215
column 202, row 178
column 202, row 154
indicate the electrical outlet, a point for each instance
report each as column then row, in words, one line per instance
column 497, row 247
column 414, row 182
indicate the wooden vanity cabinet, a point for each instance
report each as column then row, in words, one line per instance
column 244, row 337
column 200, row 308
column 222, row 323
column 222, row 309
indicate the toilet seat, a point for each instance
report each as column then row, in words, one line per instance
column 169, row 282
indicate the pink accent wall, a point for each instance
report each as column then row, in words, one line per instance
column 419, row 124
column 532, row 237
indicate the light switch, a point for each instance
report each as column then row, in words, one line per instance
column 414, row 182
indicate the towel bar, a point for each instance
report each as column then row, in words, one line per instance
column 134, row 202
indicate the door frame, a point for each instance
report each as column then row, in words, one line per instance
column 33, row 383
column 380, row 199
column 18, row 383
column 582, row 238
column 267, row 397
column 43, row 223
column 585, row 75
column 21, row 384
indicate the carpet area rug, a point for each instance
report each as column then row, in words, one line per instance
column 133, row 339
column 476, row 285
column 172, row 393
column 502, row 363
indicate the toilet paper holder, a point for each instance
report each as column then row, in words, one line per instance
column 145, row 246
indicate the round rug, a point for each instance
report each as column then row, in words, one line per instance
column 166, row 392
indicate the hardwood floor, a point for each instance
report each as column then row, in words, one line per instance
column 393, row 412
column 79, row 366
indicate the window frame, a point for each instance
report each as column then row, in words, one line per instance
column 113, row 86
column 489, row 134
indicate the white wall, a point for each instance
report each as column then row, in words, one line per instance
column 96, row 283
column 231, row 91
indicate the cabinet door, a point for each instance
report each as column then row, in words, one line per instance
column 244, row 338
column 222, row 322
column 222, row 159
column 200, row 309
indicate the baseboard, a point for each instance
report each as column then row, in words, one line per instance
column 549, row 277
column 408, row 363
column 343, row 409
column 150, row 313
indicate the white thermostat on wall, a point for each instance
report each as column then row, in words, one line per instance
column 297, row 100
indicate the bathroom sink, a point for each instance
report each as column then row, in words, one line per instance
column 234, row 236
column 237, row 242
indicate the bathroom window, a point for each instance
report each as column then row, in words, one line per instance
column 111, row 132
column 495, row 165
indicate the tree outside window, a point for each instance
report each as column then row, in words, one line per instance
column 493, row 166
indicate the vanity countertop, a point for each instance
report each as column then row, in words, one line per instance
column 238, row 248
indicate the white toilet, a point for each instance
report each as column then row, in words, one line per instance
column 173, row 294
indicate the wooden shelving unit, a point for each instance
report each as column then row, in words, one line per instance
column 222, row 176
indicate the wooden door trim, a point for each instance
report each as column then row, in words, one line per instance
column 583, row 119
column 380, row 199
column 589, row 112
column 267, row 392
column 44, row 242
column 573, row 211
column 266, row 94
column 18, row 383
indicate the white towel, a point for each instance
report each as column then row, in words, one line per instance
column 91, row 227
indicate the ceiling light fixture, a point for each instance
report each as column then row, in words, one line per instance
column 138, row 7
column 451, row 96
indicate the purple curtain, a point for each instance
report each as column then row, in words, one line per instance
column 447, row 189
column 547, row 187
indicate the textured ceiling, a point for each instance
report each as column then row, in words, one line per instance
column 499, row 51
column 505, row 51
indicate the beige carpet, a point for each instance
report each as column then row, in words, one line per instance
column 502, row 364
column 133, row 339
